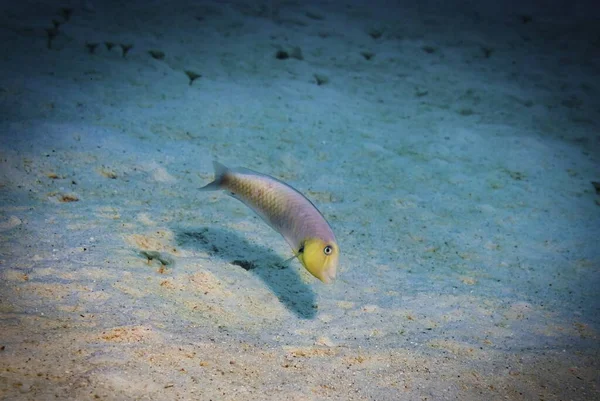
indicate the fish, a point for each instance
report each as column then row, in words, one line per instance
column 288, row 212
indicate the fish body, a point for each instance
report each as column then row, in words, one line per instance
column 288, row 212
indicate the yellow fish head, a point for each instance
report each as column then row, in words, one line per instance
column 320, row 258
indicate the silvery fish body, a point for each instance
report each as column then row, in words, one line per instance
column 288, row 212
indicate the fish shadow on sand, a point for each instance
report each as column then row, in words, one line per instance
column 285, row 282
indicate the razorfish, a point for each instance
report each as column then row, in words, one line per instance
column 288, row 212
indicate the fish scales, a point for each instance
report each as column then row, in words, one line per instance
column 288, row 212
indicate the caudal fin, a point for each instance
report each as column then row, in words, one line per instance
column 220, row 171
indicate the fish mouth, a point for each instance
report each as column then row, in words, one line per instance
column 328, row 276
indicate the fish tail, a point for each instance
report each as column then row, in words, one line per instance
column 220, row 171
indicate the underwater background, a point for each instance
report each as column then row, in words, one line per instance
column 452, row 146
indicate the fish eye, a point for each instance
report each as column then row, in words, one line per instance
column 328, row 250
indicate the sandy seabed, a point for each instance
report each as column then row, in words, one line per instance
column 452, row 147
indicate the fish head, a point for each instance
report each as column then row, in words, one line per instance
column 320, row 258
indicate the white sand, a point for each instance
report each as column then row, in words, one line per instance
column 451, row 145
